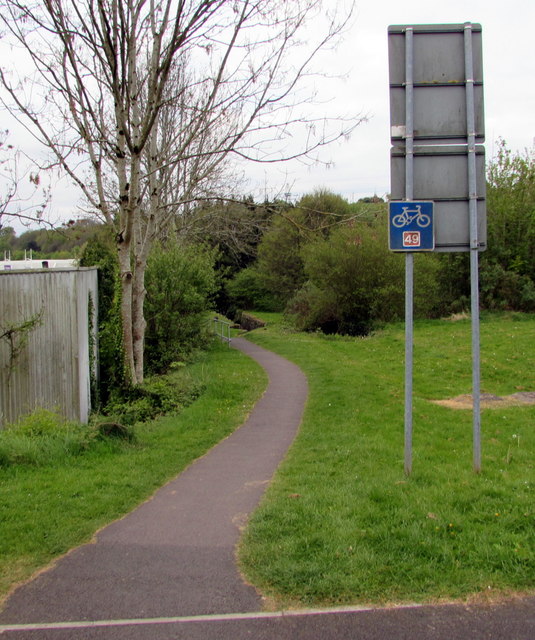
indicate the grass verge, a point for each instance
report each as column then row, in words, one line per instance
column 46, row 510
column 342, row 524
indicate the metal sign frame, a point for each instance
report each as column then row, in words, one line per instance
column 436, row 101
column 436, row 107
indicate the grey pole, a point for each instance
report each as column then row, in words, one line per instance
column 409, row 257
column 474, row 245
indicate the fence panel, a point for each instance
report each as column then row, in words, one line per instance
column 45, row 348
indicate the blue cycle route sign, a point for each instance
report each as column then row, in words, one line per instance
column 411, row 226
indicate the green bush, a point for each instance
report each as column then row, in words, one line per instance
column 428, row 301
column 355, row 282
column 507, row 274
column 501, row 289
column 280, row 261
column 511, row 211
column 248, row 291
column 453, row 281
column 156, row 396
column 321, row 210
column 348, row 273
column 41, row 422
column 313, row 308
column 179, row 282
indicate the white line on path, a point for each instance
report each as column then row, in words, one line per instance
column 260, row 615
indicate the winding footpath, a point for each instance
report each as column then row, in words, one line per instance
column 175, row 554
column 168, row 569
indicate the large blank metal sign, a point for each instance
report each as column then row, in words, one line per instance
column 438, row 82
column 430, row 116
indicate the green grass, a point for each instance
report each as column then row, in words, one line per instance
column 46, row 510
column 342, row 523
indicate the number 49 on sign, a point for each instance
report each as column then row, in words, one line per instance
column 412, row 239
column 411, row 226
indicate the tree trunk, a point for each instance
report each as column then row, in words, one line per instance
column 138, row 317
column 132, row 303
column 126, row 309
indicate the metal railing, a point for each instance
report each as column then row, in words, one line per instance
column 221, row 329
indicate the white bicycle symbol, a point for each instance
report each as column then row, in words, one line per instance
column 404, row 218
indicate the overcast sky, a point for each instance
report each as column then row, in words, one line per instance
column 362, row 165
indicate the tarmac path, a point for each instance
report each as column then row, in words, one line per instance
column 175, row 554
column 168, row 571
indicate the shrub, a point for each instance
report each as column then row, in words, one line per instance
column 502, row 289
column 321, row 209
column 355, row 282
column 507, row 267
column 511, row 210
column 428, row 300
column 312, row 308
column 156, row 396
column 348, row 273
column 179, row 282
column 41, row 422
column 279, row 260
column 248, row 291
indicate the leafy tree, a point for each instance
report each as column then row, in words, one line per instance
column 234, row 228
column 7, row 239
column 279, row 259
column 99, row 252
column 511, row 211
column 508, row 265
column 320, row 211
column 280, row 262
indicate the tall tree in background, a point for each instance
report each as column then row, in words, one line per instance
column 508, row 265
column 511, row 204
column 142, row 102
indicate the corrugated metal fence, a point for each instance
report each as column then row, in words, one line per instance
column 48, row 342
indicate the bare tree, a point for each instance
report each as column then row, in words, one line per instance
column 21, row 194
column 142, row 102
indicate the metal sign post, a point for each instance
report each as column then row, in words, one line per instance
column 436, row 113
column 409, row 258
column 474, row 245
column 411, row 229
